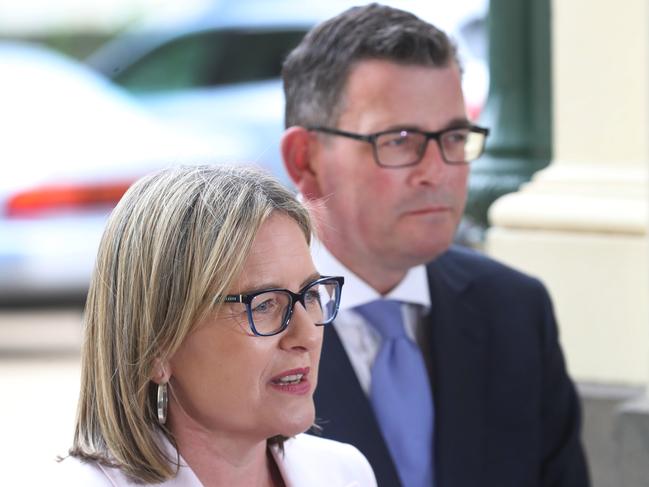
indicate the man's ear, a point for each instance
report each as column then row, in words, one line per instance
column 297, row 152
column 161, row 372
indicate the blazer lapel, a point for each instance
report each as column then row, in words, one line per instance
column 344, row 411
column 459, row 356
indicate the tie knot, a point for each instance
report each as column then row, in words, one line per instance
column 385, row 316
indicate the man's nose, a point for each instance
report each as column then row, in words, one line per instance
column 432, row 167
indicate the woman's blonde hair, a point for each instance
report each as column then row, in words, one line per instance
column 177, row 239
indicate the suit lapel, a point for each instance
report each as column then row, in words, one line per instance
column 459, row 356
column 458, row 343
column 344, row 411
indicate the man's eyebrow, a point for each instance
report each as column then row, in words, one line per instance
column 455, row 123
column 459, row 123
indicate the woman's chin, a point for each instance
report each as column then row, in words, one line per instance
column 297, row 423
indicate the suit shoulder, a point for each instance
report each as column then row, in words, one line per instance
column 461, row 264
column 335, row 463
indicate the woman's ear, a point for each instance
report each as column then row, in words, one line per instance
column 298, row 161
column 161, row 371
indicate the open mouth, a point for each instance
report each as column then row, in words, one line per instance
column 293, row 381
column 289, row 379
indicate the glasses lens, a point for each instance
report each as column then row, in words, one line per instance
column 321, row 301
column 462, row 145
column 399, row 148
column 269, row 311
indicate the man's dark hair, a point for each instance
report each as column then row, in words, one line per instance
column 316, row 71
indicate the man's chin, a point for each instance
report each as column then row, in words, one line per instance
column 429, row 251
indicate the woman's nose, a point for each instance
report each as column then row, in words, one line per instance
column 301, row 333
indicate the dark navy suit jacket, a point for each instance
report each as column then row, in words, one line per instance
column 506, row 413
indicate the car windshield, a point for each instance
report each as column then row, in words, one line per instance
column 211, row 58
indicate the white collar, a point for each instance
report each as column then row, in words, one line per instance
column 413, row 288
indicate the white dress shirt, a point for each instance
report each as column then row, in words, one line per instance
column 360, row 340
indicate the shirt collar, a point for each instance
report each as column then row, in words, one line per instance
column 413, row 288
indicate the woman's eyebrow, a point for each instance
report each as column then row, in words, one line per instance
column 311, row 278
column 260, row 287
column 275, row 285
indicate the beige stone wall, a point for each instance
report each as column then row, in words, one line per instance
column 581, row 224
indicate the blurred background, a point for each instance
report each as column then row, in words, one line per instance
column 95, row 97
column 95, row 94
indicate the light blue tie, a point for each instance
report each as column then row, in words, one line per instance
column 401, row 396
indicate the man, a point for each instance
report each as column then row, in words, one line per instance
column 379, row 143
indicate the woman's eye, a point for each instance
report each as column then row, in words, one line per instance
column 265, row 306
column 312, row 296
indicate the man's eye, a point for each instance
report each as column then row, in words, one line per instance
column 456, row 136
column 395, row 140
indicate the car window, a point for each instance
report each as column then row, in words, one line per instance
column 210, row 59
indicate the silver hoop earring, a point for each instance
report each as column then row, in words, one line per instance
column 163, row 400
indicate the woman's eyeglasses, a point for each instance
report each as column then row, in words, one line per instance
column 269, row 310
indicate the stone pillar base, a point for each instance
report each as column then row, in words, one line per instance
column 632, row 438
column 583, row 231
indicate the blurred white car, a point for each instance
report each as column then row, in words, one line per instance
column 71, row 143
column 216, row 70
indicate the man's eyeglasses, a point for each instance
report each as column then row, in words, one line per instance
column 406, row 147
column 269, row 310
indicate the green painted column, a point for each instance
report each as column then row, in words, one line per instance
column 519, row 104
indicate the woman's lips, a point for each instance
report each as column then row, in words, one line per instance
column 293, row 381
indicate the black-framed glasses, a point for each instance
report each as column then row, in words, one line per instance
column 269, row 310
column 406, row 147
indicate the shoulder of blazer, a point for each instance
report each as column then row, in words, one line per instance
column 73, row 472
column 459, row 267
column 313, row 461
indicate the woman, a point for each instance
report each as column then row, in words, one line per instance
column 201, row 350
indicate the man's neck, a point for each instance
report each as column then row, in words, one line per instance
column 378, row 274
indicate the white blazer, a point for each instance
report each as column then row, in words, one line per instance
column 308, row 461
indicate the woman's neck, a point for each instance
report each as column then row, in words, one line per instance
column 226, row 461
